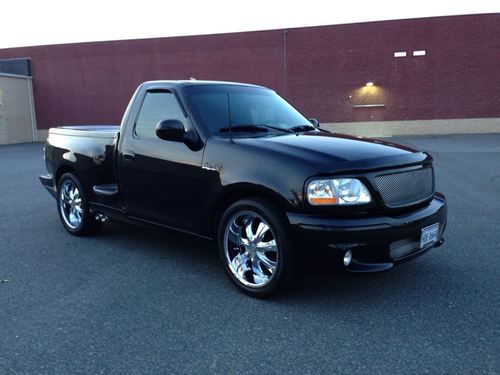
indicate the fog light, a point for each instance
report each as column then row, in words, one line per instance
column 347, row 257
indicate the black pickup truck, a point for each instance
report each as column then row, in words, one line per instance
column 238, row 164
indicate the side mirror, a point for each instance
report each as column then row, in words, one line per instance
column 314, row 122
column 171, row 130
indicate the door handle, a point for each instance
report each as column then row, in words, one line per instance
column 128, row 155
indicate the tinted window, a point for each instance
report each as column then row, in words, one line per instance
column 156, row 106
column 214, row 104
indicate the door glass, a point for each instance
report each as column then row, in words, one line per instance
column 156, row 106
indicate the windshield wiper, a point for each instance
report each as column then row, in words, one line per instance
column 257, row 128
column 244, row 128
column 302, row 128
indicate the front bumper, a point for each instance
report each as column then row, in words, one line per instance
column 377, row 243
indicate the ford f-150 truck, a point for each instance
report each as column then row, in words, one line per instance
column 238, row 164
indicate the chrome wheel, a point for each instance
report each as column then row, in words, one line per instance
column 250, row 249
column 70, row 204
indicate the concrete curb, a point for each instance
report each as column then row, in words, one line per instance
column 416, row 127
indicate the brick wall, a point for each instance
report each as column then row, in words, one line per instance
column 323, row 72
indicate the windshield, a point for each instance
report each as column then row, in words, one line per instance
column 250, row 109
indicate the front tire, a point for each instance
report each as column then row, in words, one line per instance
column 73, row 207
column 255, row 248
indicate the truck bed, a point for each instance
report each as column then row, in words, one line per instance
column 87, row 151
column 92, row 131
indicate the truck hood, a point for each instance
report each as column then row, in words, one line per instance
column 335, row 152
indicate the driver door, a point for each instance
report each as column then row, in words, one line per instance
column 160, row 180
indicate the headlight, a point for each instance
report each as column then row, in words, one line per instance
column 339, row 191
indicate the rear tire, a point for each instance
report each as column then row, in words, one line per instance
column 255, row 248
column 73, row 207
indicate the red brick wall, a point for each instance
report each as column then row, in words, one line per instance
column 326, row 69
column 458, row 78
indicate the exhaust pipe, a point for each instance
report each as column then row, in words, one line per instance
column 101, row 217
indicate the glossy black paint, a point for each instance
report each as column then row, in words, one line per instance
column 187, row 182
column 370, row 236
column 171, row 130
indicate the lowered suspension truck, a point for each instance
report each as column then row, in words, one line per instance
column 238, row 164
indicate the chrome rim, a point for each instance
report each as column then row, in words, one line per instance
column 70, row 204
column 251, row 249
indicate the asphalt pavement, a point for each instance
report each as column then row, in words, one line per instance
column 139, row 301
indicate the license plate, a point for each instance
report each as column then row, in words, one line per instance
column 429, row 235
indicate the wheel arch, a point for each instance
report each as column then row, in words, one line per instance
column 61, row 171
column 237, row 192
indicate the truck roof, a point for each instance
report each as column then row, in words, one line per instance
column 195, row 82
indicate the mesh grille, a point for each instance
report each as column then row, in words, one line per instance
column 406, row 188
column 401, row 248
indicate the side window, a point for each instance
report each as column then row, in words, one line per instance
column 156, row 106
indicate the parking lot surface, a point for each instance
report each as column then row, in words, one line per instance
column 140, row 301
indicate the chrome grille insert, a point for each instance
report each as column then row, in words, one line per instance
column 406, row 188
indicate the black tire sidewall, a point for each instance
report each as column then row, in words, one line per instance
column 278, row 224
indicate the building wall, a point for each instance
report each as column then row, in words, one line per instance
column 16, row 116
column 457, row 78
column 321, row 70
